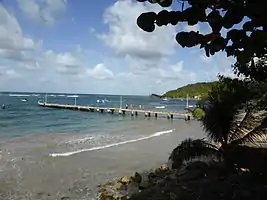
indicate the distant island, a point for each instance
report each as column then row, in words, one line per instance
column 198, row 90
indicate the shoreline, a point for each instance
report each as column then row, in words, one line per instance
column 77, row 176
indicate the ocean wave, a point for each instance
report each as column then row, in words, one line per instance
column 18, row 95
column 111, row 145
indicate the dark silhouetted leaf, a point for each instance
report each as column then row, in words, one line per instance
column 146, row 21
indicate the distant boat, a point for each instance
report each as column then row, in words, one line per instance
column 165, row 99
column 102, row 101
column 24, row 100
column 106, row 100
column 3, row 106
column 160, row 107
column 73, row 96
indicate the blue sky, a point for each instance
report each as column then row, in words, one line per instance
column 82, row 46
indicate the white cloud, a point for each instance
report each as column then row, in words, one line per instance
column 126, row 38
column 143, row 62
column 172, row 73
column 219, row 64
column 195, row 28
column 66, row 62
column 146, row 55
column 12, row 73
column 14, row 46
column 43, row 10
column 11, row 36
column 91, row 30
column 205, row 58
column 100, row 71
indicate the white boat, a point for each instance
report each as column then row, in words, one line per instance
column 160, row 107
column 106, row 100
column 24, row 100
column 165, row 99
column 73, row 96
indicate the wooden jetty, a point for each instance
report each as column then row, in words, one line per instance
column 123, row 111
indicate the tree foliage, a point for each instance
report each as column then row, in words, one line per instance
column 200, row 89
column 198, row 113
column 232, row 119
column 244, row 43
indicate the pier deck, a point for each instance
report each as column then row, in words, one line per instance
column 132, row 111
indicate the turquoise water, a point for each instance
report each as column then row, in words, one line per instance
column 21, row 118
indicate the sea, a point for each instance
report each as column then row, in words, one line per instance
column 48, row 153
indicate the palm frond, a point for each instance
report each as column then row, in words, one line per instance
column 226, row 99
column 190, row 149
column 257, row 134
column 245, row 121
column 218, row 121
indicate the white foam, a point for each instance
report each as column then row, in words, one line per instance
column 19, row 95
column 111, row 145
column 80, row 140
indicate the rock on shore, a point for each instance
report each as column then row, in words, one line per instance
column 197, row 181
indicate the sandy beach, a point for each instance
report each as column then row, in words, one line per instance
column 40, row 176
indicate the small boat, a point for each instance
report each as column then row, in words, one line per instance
column 24, row 100
column 165, row 99
column 73, row 96
column 102, row 101
column 3, row 106
column 106, row 100
column 160, row 107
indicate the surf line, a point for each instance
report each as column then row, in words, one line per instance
column 111, row 145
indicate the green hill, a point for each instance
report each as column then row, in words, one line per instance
column 199, row 90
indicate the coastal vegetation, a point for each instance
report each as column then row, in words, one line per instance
column 230, row 163
column 198, row 113
column 194, row 91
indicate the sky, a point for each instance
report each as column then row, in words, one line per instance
column 82, row 46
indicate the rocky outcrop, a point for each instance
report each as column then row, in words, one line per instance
column 197, row 181
column 126, row 187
